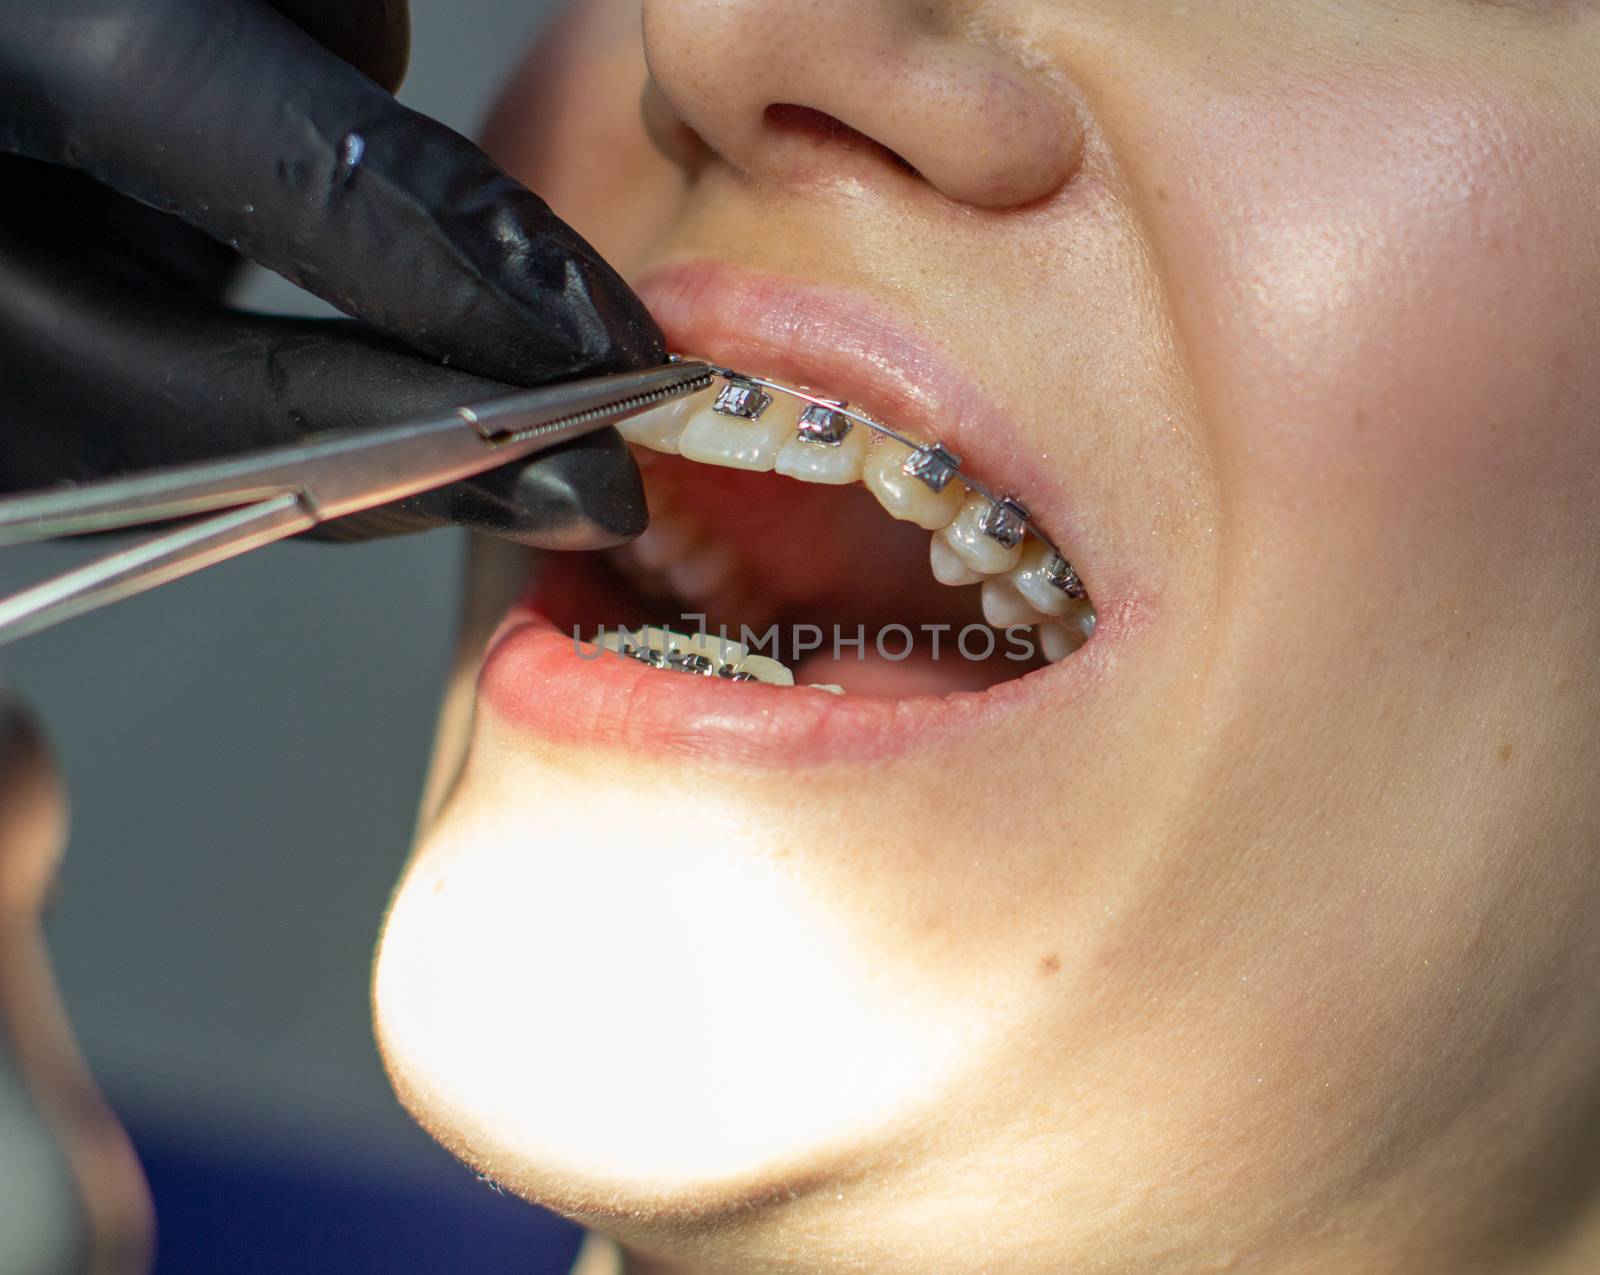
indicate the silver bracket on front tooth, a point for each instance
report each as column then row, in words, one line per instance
column 1004, row 521
column 742, row 398
column 824, row 426
column 935, row 465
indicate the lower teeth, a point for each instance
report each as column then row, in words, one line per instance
column 702, row 655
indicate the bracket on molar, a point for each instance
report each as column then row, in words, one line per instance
column 1004, row 521
column 823, row 425
column 935, row 465
column 1064, row 576
column 742, row 398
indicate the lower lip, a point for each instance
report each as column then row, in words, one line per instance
column 545, row 683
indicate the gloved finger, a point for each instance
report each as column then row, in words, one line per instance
column 374, row 36
column 585, row 494
column 116, row 235
column 229, row 115
column 106, row 375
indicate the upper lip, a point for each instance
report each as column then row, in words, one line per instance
column 839, row 343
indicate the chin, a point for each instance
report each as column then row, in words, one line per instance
column 611, row 990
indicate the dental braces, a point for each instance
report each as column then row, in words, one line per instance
column 657, row 646
column 677, row 660
column 827, row 422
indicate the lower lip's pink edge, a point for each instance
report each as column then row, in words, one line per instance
column 543, row 682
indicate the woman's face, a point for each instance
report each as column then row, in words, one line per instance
column 1257, row 933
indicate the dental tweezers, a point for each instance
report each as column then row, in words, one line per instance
column 266, row 496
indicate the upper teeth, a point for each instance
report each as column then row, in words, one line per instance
column 743, row 399
column 969, row 535
column 739, row 428
column 739, row 425
column 934, row 465
column 823, row 425
column 891, row 476
column 825, row 448
column 1005, row 522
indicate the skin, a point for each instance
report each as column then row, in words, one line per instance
column 1277, row 953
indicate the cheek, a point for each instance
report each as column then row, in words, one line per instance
column 1385, row 287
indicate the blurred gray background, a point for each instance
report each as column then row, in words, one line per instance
column 244, row 751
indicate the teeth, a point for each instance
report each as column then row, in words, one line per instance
column 1004, row 521
column 904, row 493
column 826, row 448
column 665, row 641
column 936, row 466
column 767, row 670
column 1060, row 638
column 830, row 687
column 740, row 425
column 975, row 546
column 660, row 428
column 713, row 437
column 1046, row 581
column 1004, row 607
column 741, row 398
column 724, row 650
column 653, row 637
column 705, row 654
column 947, row 567
column 1057, row 642
column 823, row 425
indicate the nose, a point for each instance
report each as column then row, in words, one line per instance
column 765, row 83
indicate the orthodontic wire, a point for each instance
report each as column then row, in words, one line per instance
column 833, row 405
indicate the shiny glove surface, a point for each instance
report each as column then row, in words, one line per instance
column 147, row 145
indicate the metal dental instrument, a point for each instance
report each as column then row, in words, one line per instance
column 265, row 496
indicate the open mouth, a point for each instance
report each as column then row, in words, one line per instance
column 769, row 556
column 843, row 554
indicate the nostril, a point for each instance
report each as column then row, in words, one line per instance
column 868, row 93
column 827, row 130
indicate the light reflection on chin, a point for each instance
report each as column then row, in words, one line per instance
column 629, row 983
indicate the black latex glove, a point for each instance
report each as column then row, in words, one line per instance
column 150, row 142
